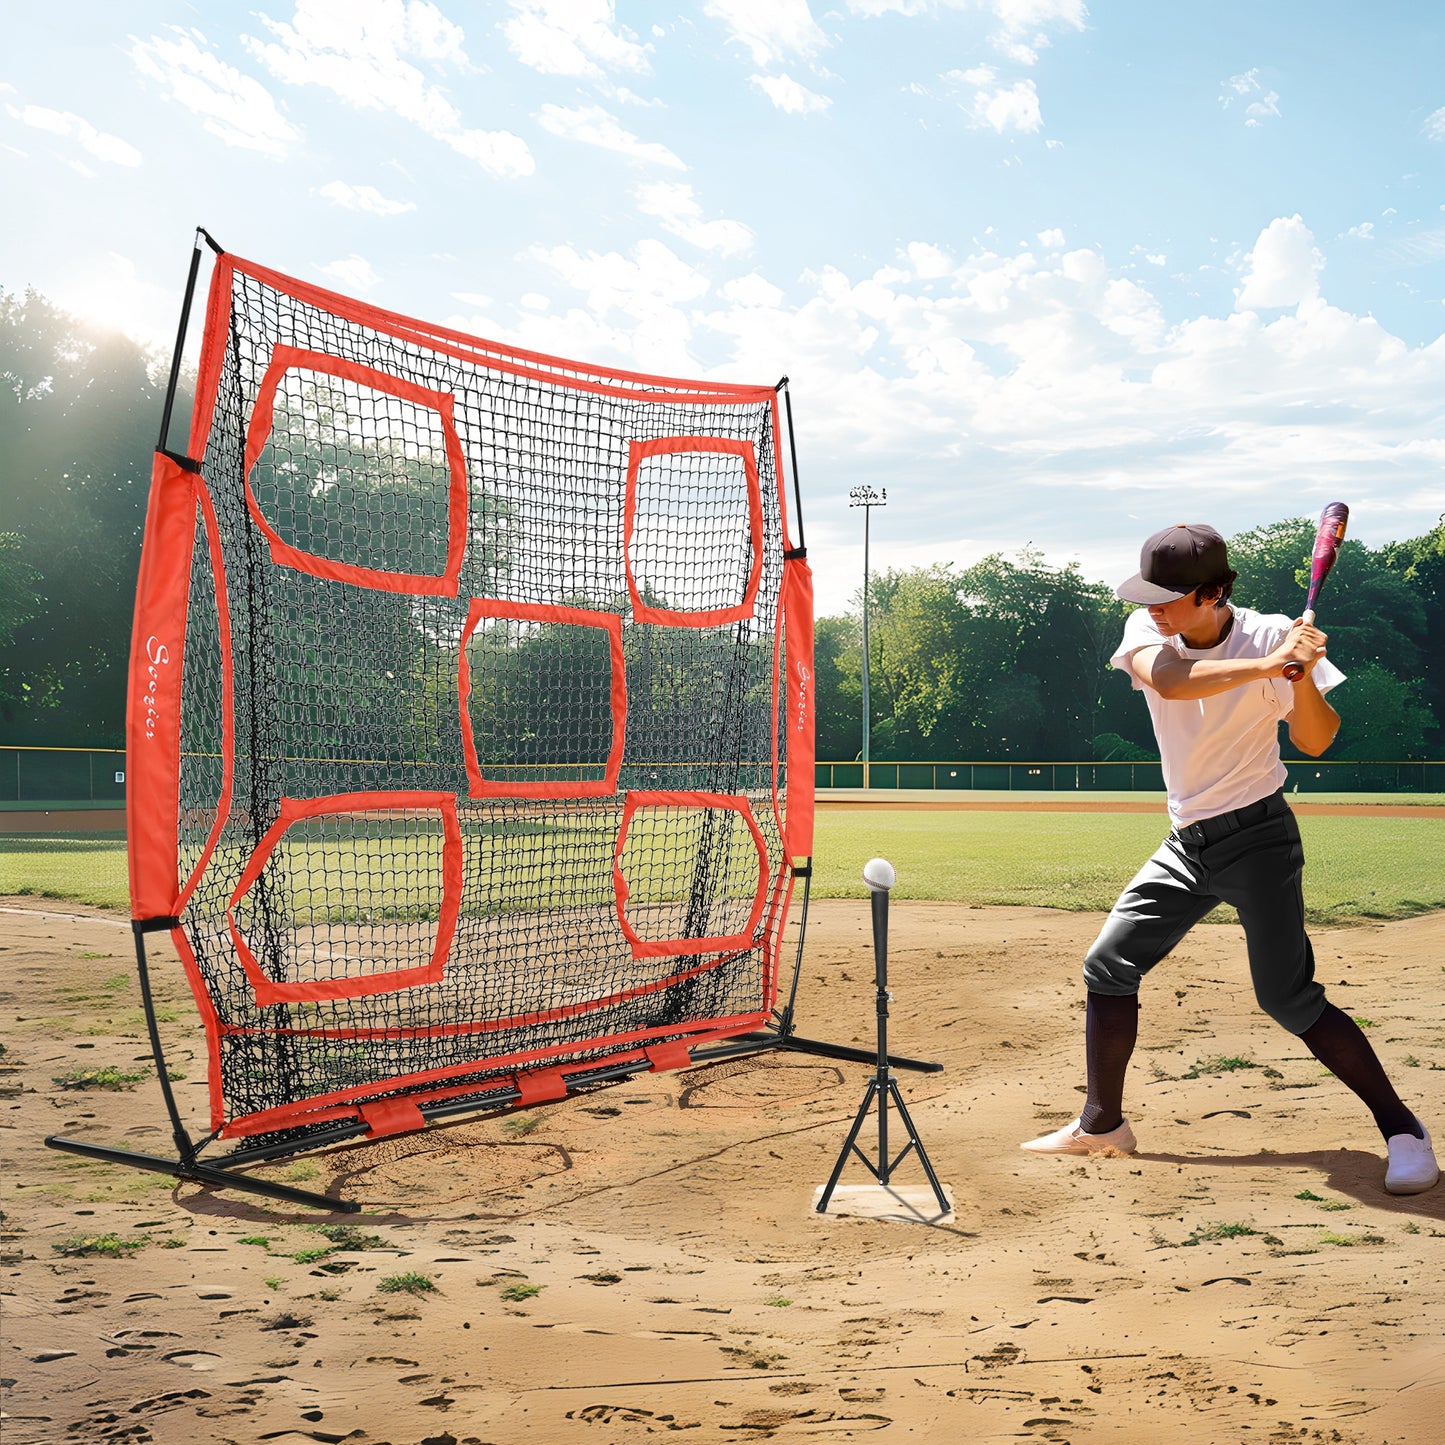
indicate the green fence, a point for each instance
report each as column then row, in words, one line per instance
column 95, row 777
column 1308, row 775
column 69, row 777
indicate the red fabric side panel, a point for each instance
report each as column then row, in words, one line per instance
column 798, row 622
column 153, row 705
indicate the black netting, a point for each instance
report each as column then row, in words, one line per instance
column 432, row 588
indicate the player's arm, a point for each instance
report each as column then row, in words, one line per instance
column 1312, row 721
column 1185, row 678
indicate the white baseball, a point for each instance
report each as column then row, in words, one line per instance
column 879, row 874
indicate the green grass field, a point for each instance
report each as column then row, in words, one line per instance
column 1358, row 869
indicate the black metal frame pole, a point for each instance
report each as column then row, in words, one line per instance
column 202, row 1174
column 181, row 330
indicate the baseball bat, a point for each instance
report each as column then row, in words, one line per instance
column 1328, row 536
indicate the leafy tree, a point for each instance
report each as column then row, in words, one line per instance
column 1381, row 717
column 78, row 411
column 838, row 694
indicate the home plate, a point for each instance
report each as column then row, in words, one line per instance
column 909, row 1204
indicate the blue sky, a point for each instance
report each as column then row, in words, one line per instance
column 1056, row 275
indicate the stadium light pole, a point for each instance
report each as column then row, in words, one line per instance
column 866, row 498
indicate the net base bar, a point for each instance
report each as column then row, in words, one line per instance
column 199, row 1173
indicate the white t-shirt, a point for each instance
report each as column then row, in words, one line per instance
column 1222, row 752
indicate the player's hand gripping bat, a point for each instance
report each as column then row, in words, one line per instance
column 1328, row 536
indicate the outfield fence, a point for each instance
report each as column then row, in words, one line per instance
column 1306, row 775
column 37, row 777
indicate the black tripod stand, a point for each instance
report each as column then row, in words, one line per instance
column 880, row 877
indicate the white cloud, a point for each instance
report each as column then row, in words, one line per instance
column 927, row 262
column 788, row 95
column 1434, row 126
column 1283, row 268
column 1263, row 104
column 770, row 30
column 591, row 125
column 1052, row 240
column 635, row 310
column 1365, row 231
column 675, row 205
column 233, row 107
column 1015, row 107
column 359, row 52
column 364, row 198
column 109, row 291
column 1001, row 385
column 573, row 37
column 351, row 273
column 100, row 144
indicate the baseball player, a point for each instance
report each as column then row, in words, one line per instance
column 1212, row 675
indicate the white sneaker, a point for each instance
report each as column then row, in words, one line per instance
column 1412, row 1168
column 1072, row 1139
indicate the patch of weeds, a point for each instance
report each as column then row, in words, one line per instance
column 104, row 1076
column 1211, row 1233
column 1272, row 1073
column 1323, row 1203
column 1346, row 1241
column 110, row 1246
column 304, row 1169
column 119, row 981
column 1220, row 1064
column 259, row 1239
column 409, row 1283
column 173, row 1244
column 1411, row 1062
column 1411, row 1227
column 525, row 1290
column 1365, row 1023
column 274, row 1281
column 330, row 1295
column 348, row 1236
column 522, row 1125
column 778, row 1304
column 312, row 1255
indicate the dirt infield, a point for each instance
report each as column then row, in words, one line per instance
column 642, row 1260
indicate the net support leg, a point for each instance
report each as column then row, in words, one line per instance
column 201, row 1174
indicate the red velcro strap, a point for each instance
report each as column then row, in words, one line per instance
column 668, row 1056
column 540, row 1087
column 391, row 1116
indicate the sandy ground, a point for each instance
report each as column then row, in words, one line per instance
column 643, row 1260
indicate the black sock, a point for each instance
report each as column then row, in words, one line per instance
column 1339, row 1043
column 1111, row 1027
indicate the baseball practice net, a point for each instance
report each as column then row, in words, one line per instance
column 470, row 735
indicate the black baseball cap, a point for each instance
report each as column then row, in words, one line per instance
column 1174, row 562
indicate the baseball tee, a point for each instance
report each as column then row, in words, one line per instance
column 1222, row 752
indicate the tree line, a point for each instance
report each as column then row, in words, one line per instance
column 1009, row 659
column 1006, row 659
